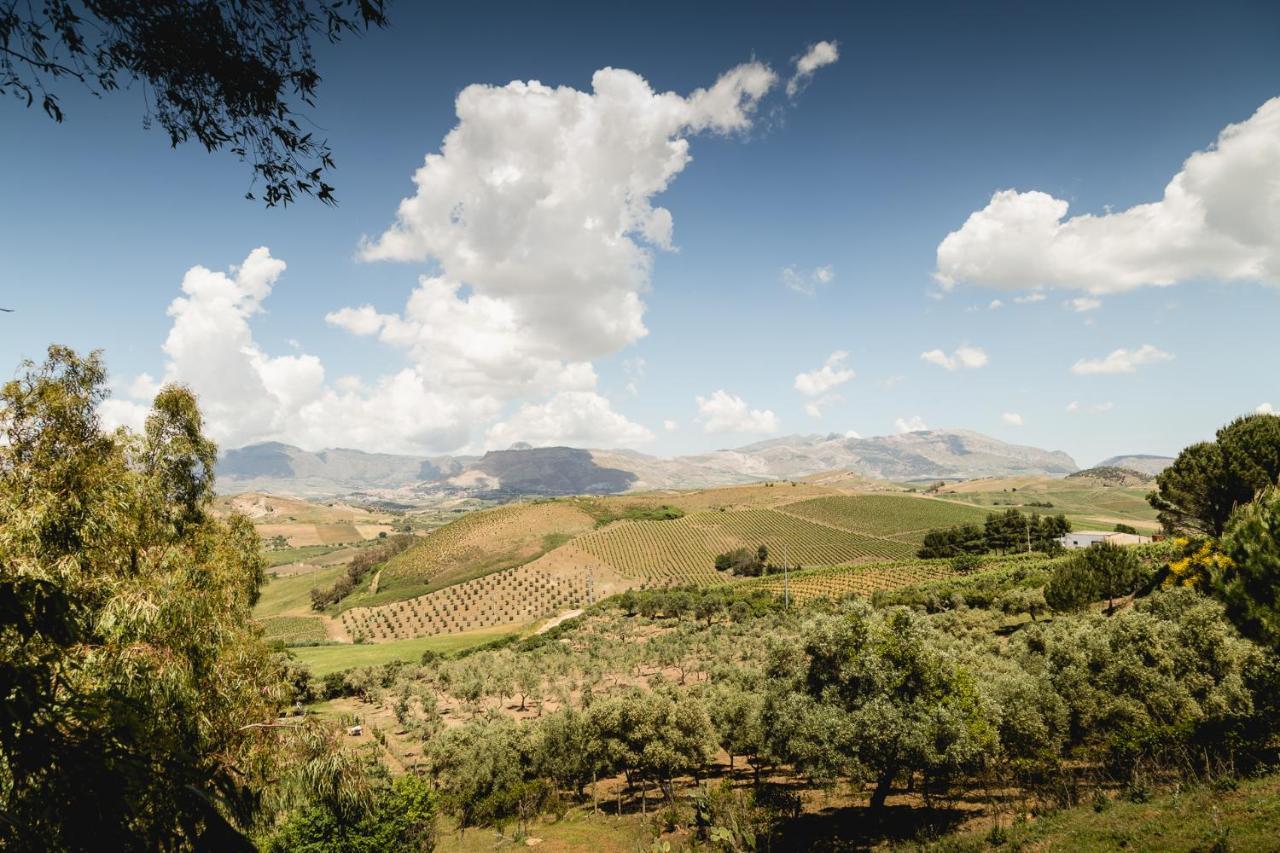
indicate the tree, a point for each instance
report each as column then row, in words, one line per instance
column 131, row 675
column 1099, row 571
column 1199, row 491
column 874, row 694
column 1250, row 584
column 1126, row 528
column 230, row 75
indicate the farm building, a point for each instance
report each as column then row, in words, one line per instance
column 1088, row 538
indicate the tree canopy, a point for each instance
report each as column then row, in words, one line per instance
column 230, row 74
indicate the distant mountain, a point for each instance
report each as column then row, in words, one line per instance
column 1142, row 462
column 523, row 470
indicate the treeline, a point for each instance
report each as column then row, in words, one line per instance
column 361, row 564
column 743, row 562
column 700, row 603
column 1003, row 533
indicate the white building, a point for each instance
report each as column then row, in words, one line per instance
column 1089, row 538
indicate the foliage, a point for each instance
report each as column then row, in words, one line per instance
column 229, row 75
column 873, row 694
column 1009, row 531
column 1207, row 481
column 1248, row 579
column 365, row 561
column 402, row 818
column 129, row 669
column 1102, row 570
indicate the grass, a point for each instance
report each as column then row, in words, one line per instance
column 1202, row 818
column 322, row 660
column 295, row 555
column 284, row 596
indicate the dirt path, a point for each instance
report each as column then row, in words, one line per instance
column 556, row 620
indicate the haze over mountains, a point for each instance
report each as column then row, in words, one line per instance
column 523, row 470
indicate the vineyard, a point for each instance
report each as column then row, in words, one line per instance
column 511, row 596
column 292, row 629
column 684, row 550
column 477, row 544
column 897, row 516
column 857, row 580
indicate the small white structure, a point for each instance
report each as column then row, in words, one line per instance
column 355, row 731
column 1089, row 538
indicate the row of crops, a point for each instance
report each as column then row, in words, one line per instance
column 840, row 581
column 292, row 629
column 684, row 550
column 897, row 516
column 515, row 595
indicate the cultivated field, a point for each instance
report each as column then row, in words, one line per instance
column 1089, row 503
column 900, row 517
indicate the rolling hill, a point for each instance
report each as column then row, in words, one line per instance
column 1144, row 463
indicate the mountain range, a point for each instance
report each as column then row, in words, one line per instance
column 528, row 471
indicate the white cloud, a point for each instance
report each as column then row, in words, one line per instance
column 813, row 408
column 995, row 305
column 1219, row 219
column 1265, row 409
column 633, row 369
column 577, row 418
column 670, row 425
column 852, row 433
column 963, row 358
column 1084, row 303
column 912, row 424
column 823, row 379
column 1121, row 361
column 818, row 55
column 1074, row 407
column 724, row 412
column 536, row 216
column 1012, row 418
column 1033, row 296
column 807, row 281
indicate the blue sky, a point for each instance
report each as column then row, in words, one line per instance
column 928, row 111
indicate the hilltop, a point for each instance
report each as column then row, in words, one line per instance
column 1145, row 463
column 524, row 471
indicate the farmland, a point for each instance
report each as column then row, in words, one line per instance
column 897, row 516
column 1088, row 502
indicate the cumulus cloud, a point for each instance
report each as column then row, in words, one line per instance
column 725, row 412
column 578, row 418
column 807, row 281
column 1265, row 409
column 995, row 305
column 832, row 373
column 1084, row 303
column 249, row 395
column 1033, row 296
column 852, row 433
column 1219, row 219
column 963, row 358
column 670, row 425
column 912, row 424
column 1012, row 418
column 1121, row 361
column 537, row 218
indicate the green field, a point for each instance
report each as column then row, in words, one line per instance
column 293, row 629
column 1086, row 502
column 296, row 555
column 896, row 516
column 322, row 660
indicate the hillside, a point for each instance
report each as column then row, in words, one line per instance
column 1142, row 462
column 1088, row 502
column 524, row 471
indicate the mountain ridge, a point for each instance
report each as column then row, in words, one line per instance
column 523, row 471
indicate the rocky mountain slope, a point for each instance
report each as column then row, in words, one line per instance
column 524, row 470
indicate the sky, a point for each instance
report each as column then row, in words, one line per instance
column 681, row 227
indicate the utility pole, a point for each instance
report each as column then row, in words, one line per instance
column 1028, row 518
column 786, row 578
